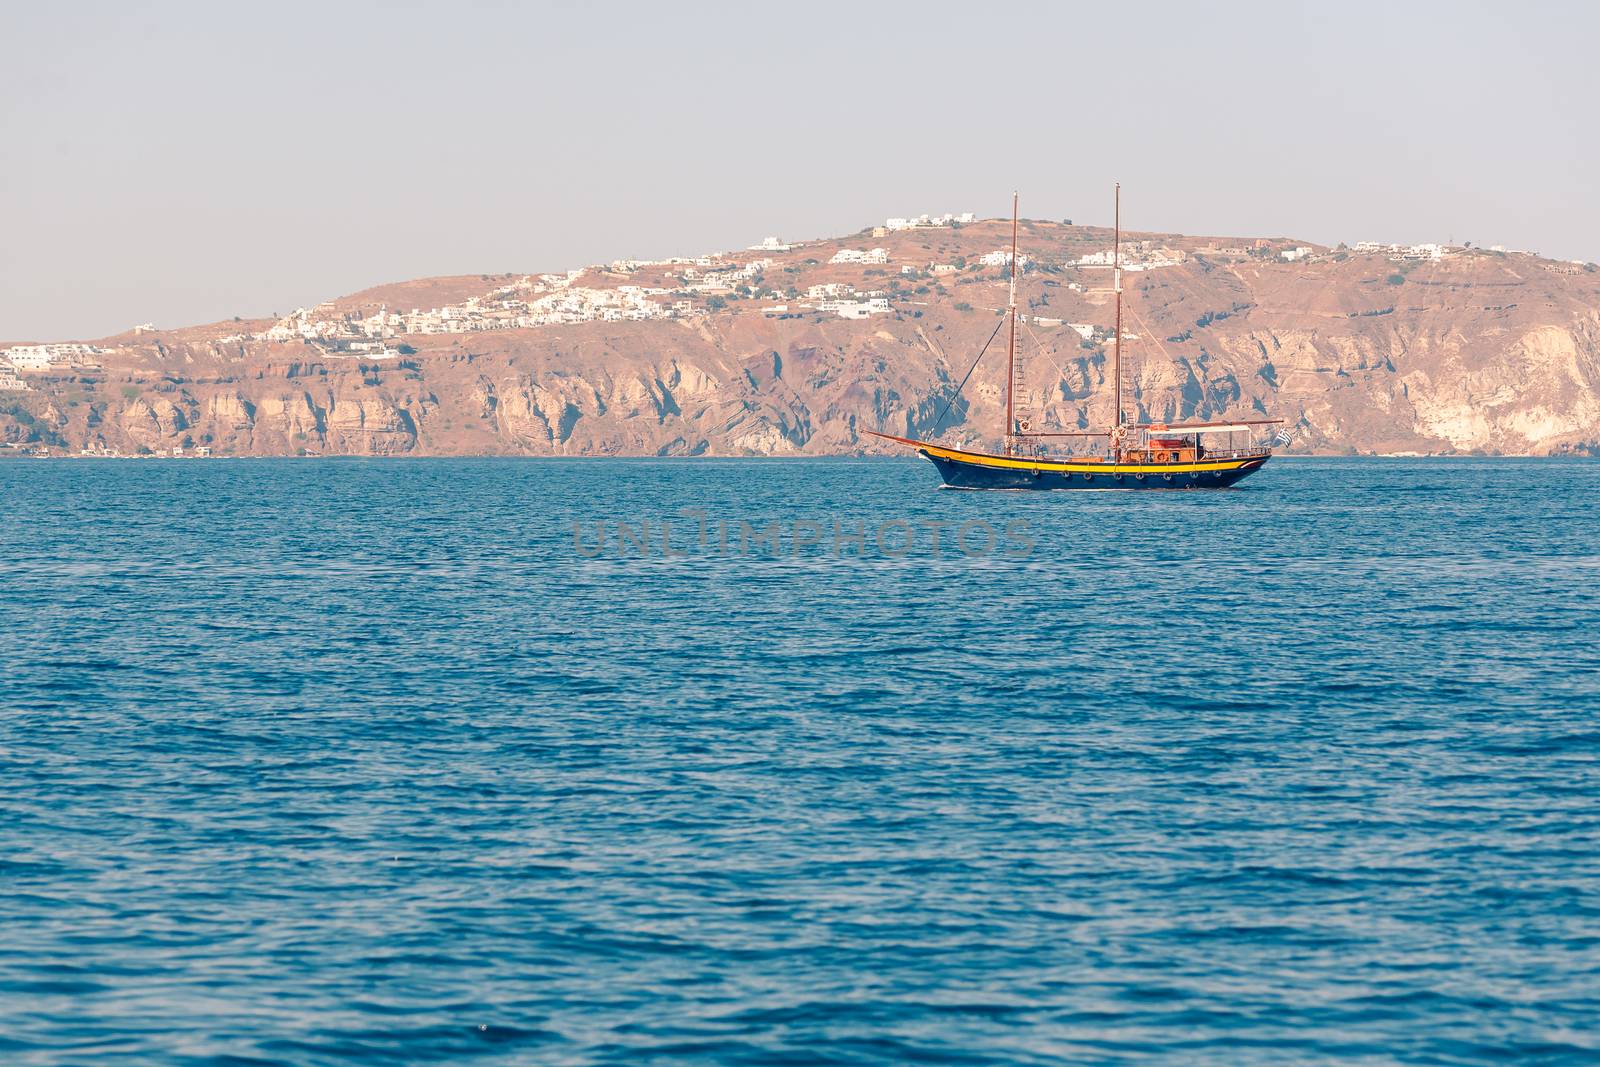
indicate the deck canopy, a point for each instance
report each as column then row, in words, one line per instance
column 1231, row 427
column 1157, row 429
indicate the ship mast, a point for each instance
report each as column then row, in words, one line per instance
column 1011, row 341
column 1116, row 339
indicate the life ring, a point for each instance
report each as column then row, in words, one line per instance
column 1139, row 477
column 1167, row 475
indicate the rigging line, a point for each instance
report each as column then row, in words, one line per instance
column 1177, row 280
column 1047, row 355
column 963, row 384
column 1148, row 332
column 1175, row 277
column 1044, row 352
column 1151, row 334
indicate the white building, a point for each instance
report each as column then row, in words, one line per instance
column 9, row 382
column 856, row 255
column 1426, row 251
column 38, row 357
column 829, row 290
column 770, row 244
column 1289, row 255
column 927, row 220
column 1136, row 257
column 378, row 324
column 1001, row 258
column 856, row 309
column 28, row 357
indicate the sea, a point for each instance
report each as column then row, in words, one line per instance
column 574, row 761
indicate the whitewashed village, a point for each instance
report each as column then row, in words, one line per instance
column 684, row 288
column 764, row 278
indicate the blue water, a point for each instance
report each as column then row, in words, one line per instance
column 325, row 762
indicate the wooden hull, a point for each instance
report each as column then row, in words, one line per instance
column 979, row 470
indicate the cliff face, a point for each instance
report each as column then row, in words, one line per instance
column 1476, row 351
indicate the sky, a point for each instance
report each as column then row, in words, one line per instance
column 180, row 163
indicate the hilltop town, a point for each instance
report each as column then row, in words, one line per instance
column 798, row 346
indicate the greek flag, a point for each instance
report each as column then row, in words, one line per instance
column 1284, row 436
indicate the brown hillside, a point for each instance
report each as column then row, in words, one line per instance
column 1473, row 351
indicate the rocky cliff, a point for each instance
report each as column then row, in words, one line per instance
column 1361, row 351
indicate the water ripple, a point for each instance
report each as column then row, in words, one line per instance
column 347, row 762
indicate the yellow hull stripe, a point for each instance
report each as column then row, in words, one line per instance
column 1081, row 468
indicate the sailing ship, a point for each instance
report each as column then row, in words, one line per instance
column 1151, row 455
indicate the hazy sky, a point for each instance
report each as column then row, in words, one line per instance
column 186, row 162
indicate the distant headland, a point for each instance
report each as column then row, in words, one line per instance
column 798, row 347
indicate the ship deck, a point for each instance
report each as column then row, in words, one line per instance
column 1215, row 462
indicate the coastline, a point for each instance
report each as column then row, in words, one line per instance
column 18, row 453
